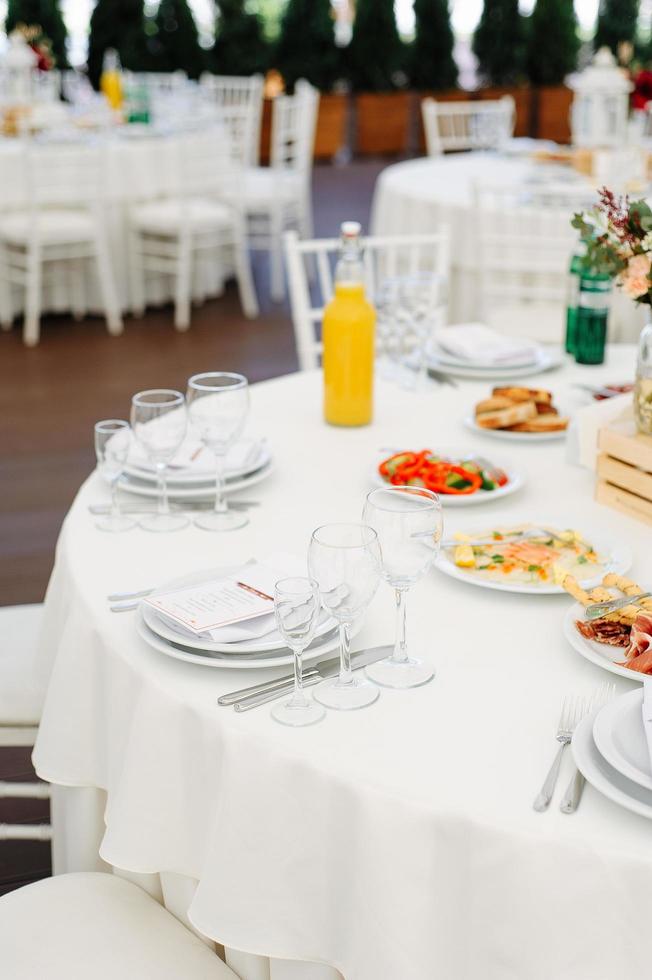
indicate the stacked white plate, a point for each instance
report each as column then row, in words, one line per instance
column 269, row 650
column 611, row 751
column 541, row 360
column 254, row 463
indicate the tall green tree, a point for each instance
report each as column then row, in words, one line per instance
column 617, row 21
column 552, row 44
column 499, row 42
column 376, row 55
column 240, row 46
column 430, row 62
column 118, row 24
column 46, row 15
column 177, row 39
column 306, row 46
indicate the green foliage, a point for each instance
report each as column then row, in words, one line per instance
column 376, row 55
column 46, row 15
column 118, row 24
column 553, row 43
column 617, row 21
column 240, row 46
column 306, row 46
column 499, row 42
column 177, row 39
column 431, row 62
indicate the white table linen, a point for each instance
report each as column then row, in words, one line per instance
column 394, row 842
column 419, row 196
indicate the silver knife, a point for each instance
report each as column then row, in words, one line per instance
column 322, row 670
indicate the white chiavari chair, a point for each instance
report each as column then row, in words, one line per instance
column 279, row 197
column 205, row 222
column 61, row 224
column 386, row 257
column 99, row 925
column 524, row 242
column 158, row 83
column 21, row 695
column 243, row 93
column 474, row 125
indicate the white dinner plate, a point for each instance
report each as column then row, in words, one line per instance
column 618, row 560
column 264, row 644
column 603, row 777
column 619, row 734
column 506, row 435
column 547, row 361
column 600, row 654
column 206, row 491
column 237, row 661
column 203, row 477
column 514, row 483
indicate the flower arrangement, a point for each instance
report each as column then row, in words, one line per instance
column 618, row 237
column 39, row 44
column 642, row 93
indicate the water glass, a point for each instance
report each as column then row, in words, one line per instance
column 408, row 521
column 112, row 442
column 297, row 606
column 159, row 422
column 218, row 405
column 345, row 561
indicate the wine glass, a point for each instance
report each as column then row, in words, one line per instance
column 112, row 441
column 408, row 521
column 159, row 422
column 297, row 606
column 218, row 404
column 423, row 303
column 345, row 560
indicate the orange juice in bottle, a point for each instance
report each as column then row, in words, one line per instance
column 348, row 339
column 110, row 80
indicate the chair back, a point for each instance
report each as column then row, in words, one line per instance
column 158, row 83
column 243, row 93
column 294, row 118
column 386, row 258
column 62, row 175
column 482, row 125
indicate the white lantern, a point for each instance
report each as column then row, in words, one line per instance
column 600, row 104
column 18, row 70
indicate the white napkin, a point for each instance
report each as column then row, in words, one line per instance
column 479, row 344
column 589, row 420
column 194, row 457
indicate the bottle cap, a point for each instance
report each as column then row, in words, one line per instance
column 350, row 229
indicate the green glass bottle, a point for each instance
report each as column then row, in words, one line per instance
column 592, row 318
column 573, row 295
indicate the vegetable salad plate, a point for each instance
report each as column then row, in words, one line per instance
column 461, row 480
column 530, row 558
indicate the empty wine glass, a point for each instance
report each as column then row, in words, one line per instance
column 112, row 441
column 218, row 404
column 408, row 521
column 345, row 560
column 297, row 606
column 159, row 422
column 423, row 302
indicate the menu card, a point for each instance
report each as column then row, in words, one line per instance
column 242, row 596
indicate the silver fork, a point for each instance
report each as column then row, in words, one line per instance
column 571, row 712
column 571, row 798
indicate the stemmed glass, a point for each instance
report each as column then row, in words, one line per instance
column 345, row 560
column 297, row 606
column 423, row 303
column 218, row 404
column 112, row 441
column 408, row 521
column 159, row 422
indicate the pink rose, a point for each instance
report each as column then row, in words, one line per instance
column 634, row 279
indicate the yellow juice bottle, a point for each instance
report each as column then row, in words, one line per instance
column 348, row 339
column 110, row 80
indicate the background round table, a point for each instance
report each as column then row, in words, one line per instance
column 419, row 196
column 394, row 842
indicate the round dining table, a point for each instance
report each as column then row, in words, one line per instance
column 423, row 195
column 398, row 842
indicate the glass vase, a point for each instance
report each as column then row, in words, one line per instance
column 643, row 384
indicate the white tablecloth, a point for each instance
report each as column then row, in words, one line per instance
column 394, row 842
column 419, row 196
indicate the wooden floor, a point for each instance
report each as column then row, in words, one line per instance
column 51, row 396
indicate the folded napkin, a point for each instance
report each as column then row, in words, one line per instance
column 582, row 444
column 194, row 457
column 480, row 345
